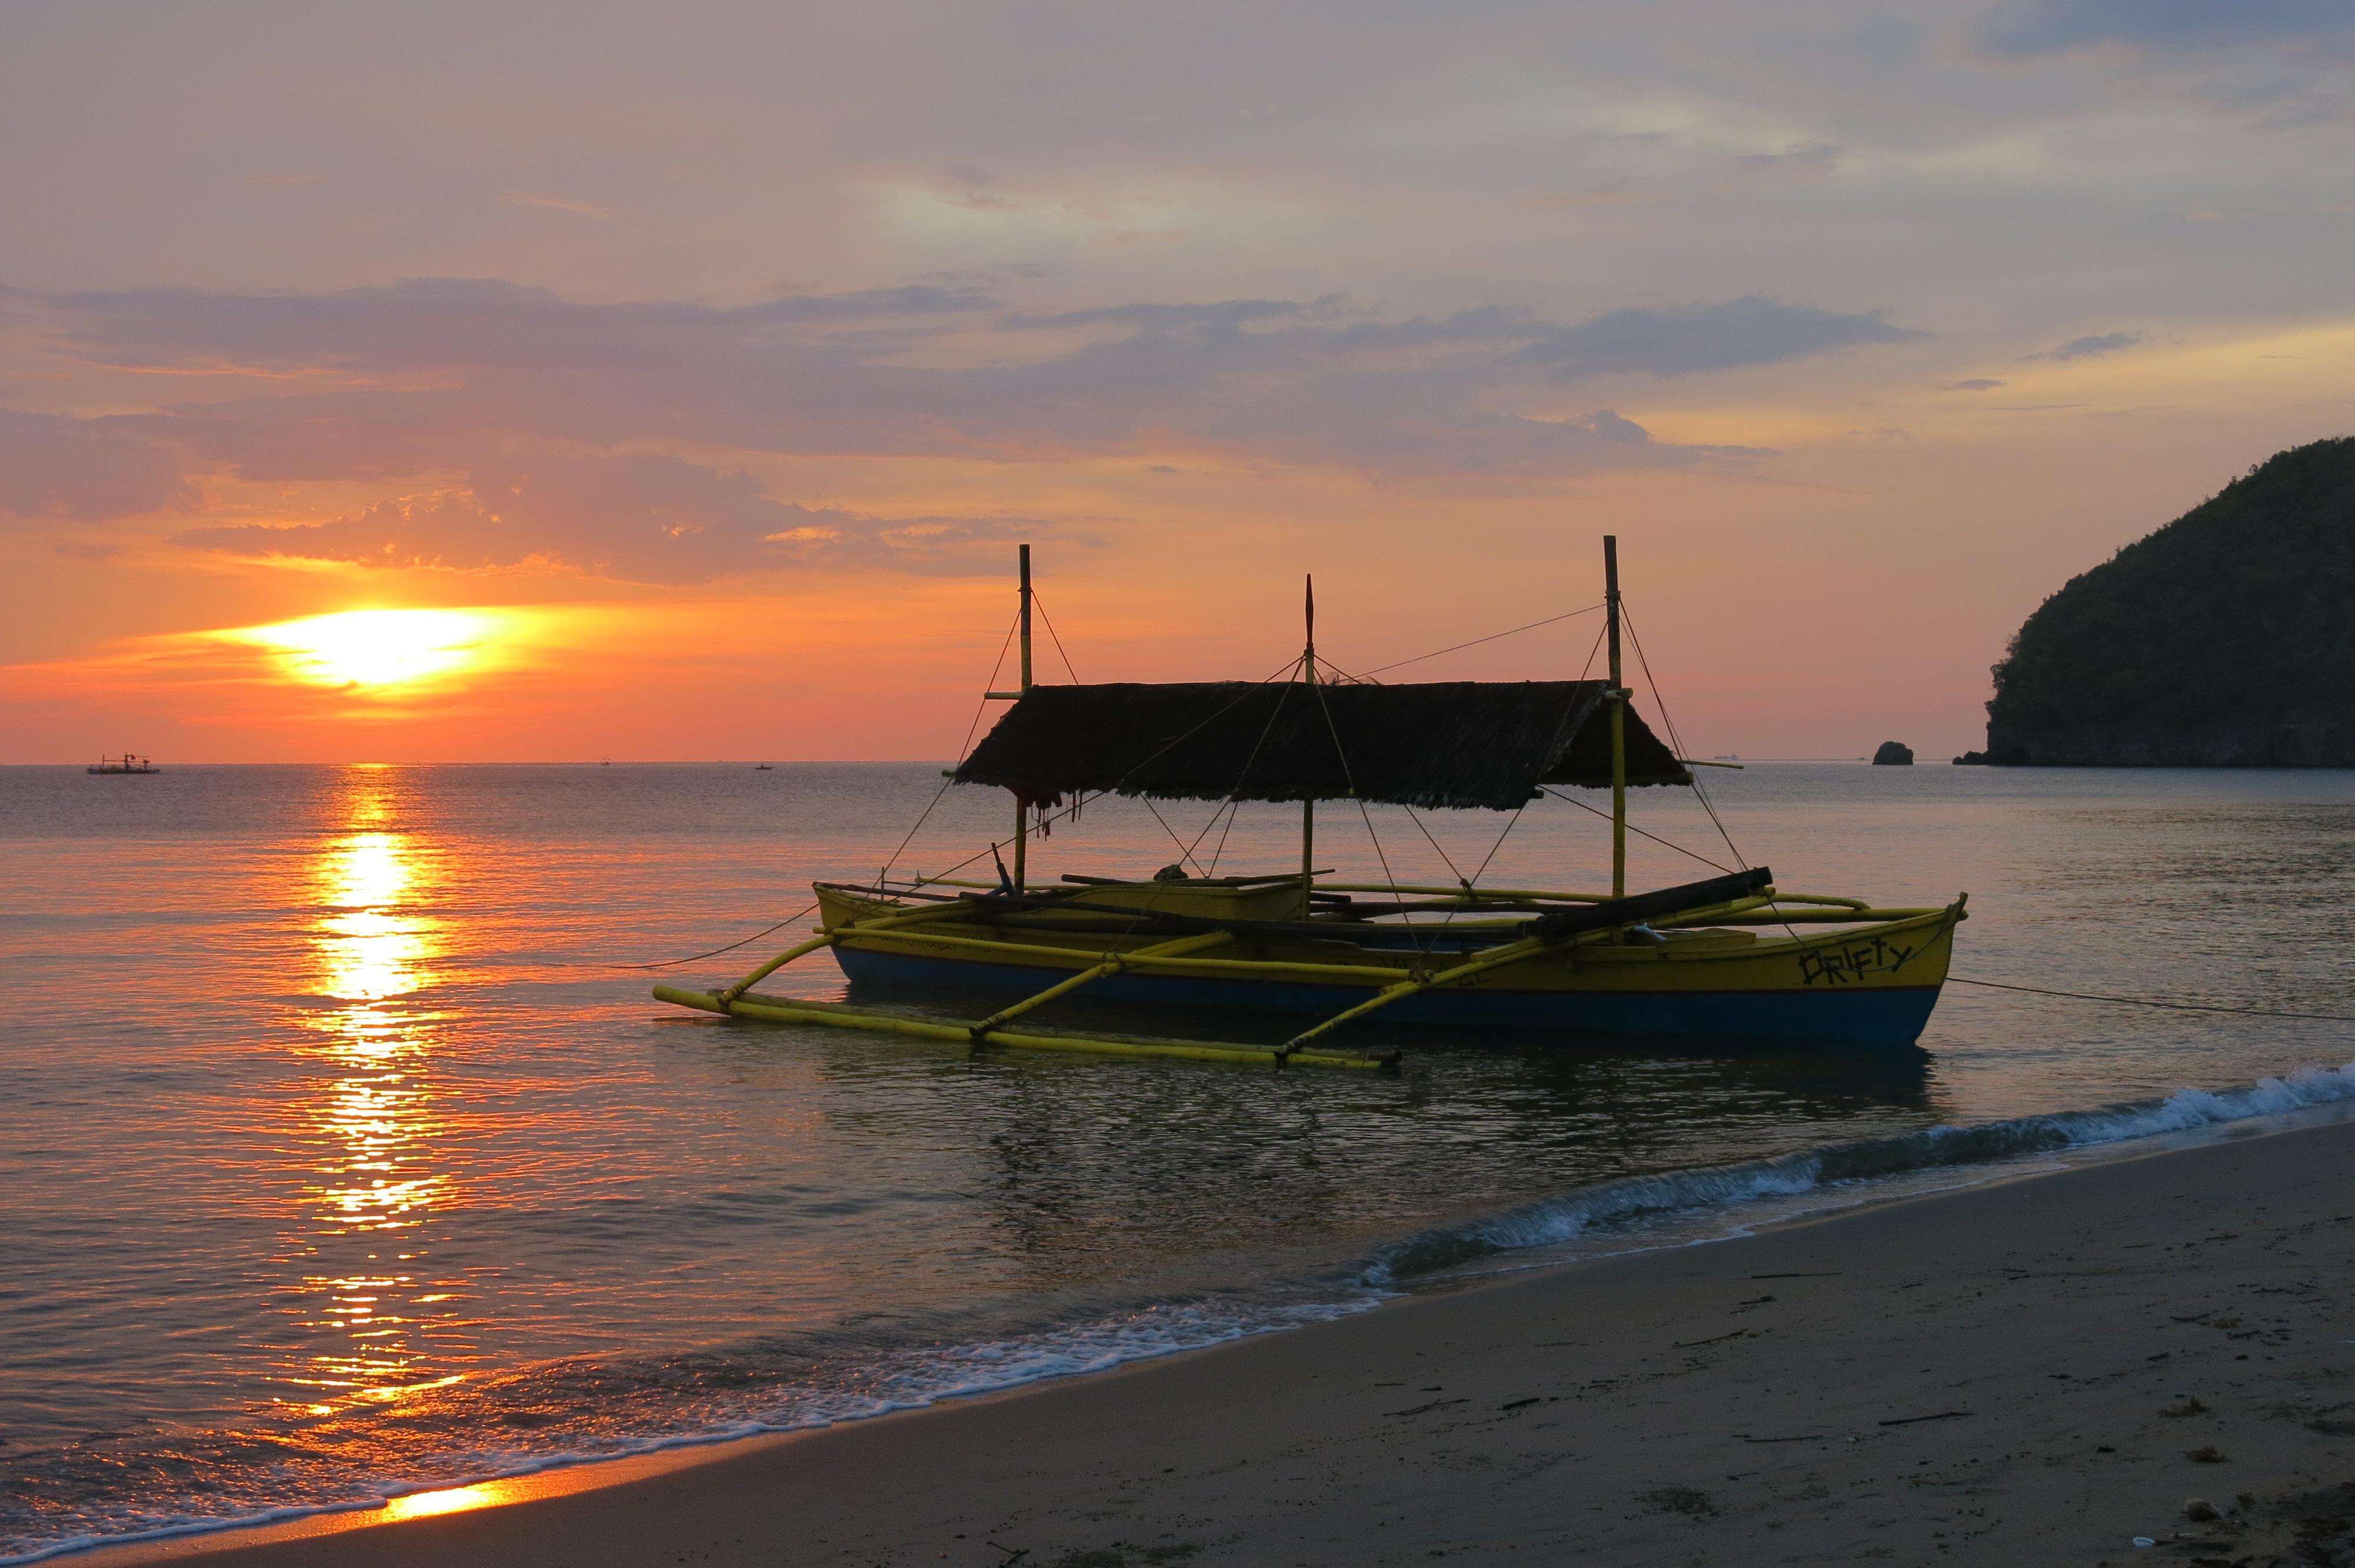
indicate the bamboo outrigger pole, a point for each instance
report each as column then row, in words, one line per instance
column 1308, row 808
column 1618, row 699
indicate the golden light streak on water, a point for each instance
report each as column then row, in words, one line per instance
column 372, row 1322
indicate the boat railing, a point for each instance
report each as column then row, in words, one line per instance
column 1432, row 899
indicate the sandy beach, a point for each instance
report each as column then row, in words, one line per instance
column 2034, row 1371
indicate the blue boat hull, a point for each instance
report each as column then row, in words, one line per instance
column 1880, row 1016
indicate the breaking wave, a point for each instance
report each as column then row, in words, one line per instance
column 1553, row 1221
column 579, row 1411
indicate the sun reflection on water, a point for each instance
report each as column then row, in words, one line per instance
column 372, row 1323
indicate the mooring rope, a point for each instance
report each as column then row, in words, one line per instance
column 698, row 957
column 2149, row 1002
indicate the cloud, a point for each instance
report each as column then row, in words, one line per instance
column 2048, row 27
column 521, row 428
column 2279, row 63
column 641, row 517
column 867, row 304
column 2089, row 347
column 55, row 466
column 1976, row 384
column 1810, row 162
column 1690, row 339
column 1224, row 315
column 555, row 204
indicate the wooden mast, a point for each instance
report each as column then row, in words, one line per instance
column 1309, row 807
column 1617, row 697
column 1021, row 804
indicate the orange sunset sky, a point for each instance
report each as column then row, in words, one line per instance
column 675, row 382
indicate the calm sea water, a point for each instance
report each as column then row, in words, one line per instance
column 341, row 1158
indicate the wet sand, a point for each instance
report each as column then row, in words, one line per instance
column 2036, row 1371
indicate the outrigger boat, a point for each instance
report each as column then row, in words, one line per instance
column 1728, row 957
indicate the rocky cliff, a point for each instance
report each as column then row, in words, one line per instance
column 2225, row 640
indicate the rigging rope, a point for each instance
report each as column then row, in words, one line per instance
column 1040, row 606
column 1350, row 778
column 1532, row 626
column 1674, row 739
column 1634, row 829
column 1233, row 802
column 1185, row 852
column 2148, row 1002
column 1453, row 870
column 1514, row 819
column 964, row 750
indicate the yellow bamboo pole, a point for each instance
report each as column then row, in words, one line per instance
column 1803, row 918
column 921, row 1029
column 828, row 938
column 1480, row 895
column 1512, row 953
column 823, row 940
column 1241, row 969
column 1112, row 964
column 1496, row 958
column 1476, row 895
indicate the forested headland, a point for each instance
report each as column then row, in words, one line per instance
column 2225, row 639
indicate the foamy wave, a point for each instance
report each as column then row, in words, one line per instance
column 905, row 1380
column 1554, row 1221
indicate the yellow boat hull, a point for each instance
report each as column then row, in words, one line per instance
column 1873, row 984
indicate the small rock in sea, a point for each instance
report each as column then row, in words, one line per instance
column 2201, row 1510
column 1894, row 753
column 2210, row 1455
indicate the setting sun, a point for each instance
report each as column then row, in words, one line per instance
column 379, row 647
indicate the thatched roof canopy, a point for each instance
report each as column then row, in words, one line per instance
column 1453, row 743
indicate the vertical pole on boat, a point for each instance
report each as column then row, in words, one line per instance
column 1618, row 700
column 1021, row 802
column 1025, row 617
column 1309, row 807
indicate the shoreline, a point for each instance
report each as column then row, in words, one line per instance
column 1171, row 1457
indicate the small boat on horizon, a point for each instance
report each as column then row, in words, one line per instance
column 1731, row 956
column 126, row 763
